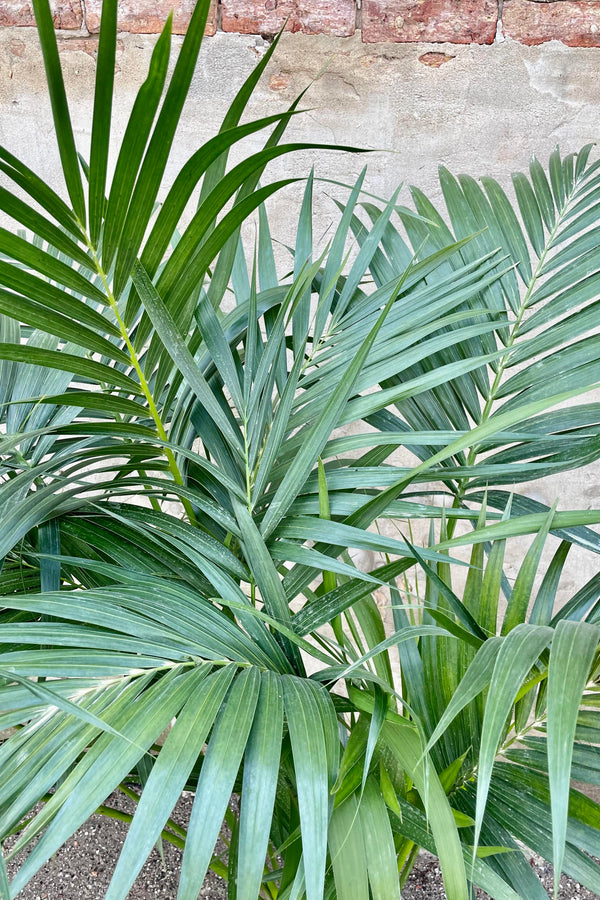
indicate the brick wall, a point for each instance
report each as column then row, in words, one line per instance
column 574, row 22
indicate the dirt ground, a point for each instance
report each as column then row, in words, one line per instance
column 82, row 869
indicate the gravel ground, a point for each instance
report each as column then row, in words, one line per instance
column 82, row 869
column 425, row 882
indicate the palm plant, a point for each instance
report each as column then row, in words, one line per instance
column 182, row 485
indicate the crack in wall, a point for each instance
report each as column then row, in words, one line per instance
column 500, row 36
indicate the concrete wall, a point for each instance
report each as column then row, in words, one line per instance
column 478, row 108
column 484, row 110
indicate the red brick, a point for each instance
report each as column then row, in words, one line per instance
column 17, row 47
column 149, row 16
column 279, row 81
column 67, row 14
column 574, row 22
column 87, row 45
column 434, row 59
column 337, row 17
column 431, row 21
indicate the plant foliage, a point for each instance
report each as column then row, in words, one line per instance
column 192, row 445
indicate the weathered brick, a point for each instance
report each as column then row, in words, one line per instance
column 67, row 14
column 149, row 16
column 574, row 22
column 280, row 81
column 432, row 21
column 87, row 45
column 434, row 59
column 337, row 17
column 17, row 47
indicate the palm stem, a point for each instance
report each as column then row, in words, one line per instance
column 514, row 333
column 160, row 428
column 407, row 861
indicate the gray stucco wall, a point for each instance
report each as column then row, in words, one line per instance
column 484, row 111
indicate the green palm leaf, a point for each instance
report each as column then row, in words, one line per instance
column 310, row 763
column 261, row 767
column 60, row 110
column 379, row 844
column 103, row 767
column 169, row 774
column 347, row 850
column 571, row 656
column 219, row 769
column 517, row 655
